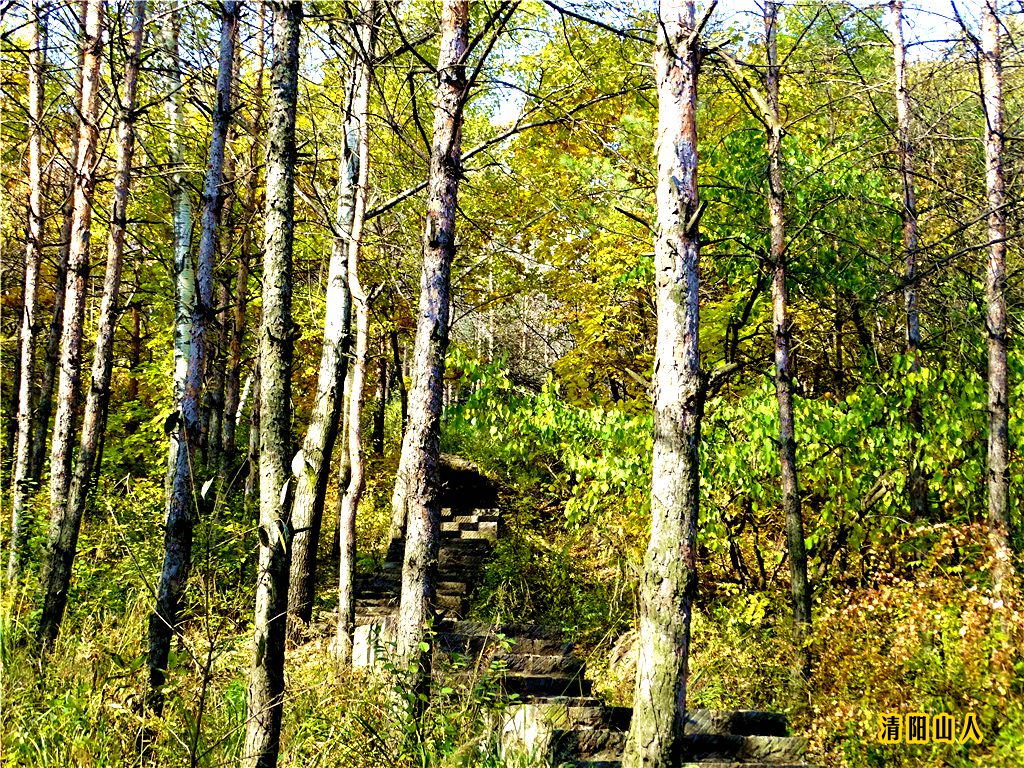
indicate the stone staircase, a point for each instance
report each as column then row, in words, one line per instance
column 552, row 718
column 467, row 537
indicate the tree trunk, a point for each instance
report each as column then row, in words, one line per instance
column 181, row 506
column 366, row 38
column 95, row 419
column 134, row 354
column 995, row 299
column 323, row 424
column 69, row 377
column 416, row 486
column 377, row 438
column 800, row 591
column 23, row 483
column 670, row 573
column 49, row 378
column 184, row 270
column 56, row 569
column 234, row 364
column 917, row 481
column 277, row 334
column 399, row 379
column 252, row 455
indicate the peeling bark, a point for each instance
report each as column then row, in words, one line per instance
column 669, row 582
column 417, row 483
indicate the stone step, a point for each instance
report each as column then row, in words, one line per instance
column 551, row 685
column 447, row 602
column 700, row 749
column 739, row 722
column 365, row 602
column 542, row 664
column 567, row 713
column 469, row 643
column 375, row 608
column 475, row 546
column 586, row 743
column 518, row 631
column 452, row 587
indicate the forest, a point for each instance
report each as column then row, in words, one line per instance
column 511, row 383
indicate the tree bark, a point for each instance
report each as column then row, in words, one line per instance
column 417, row 483
column 995, row 299
column 56, row 568
column 181, row 220
column 366, row 39
column 323, row 424
column 232, row 385
column 917, row 480
column 23, row 483
column 800, row 591
column 670, row 574
column 184, row 489
column 403, row 395
column 377, row 437
column 95, row 418
column 277, row 334
column 50, row 360
column 69, row 378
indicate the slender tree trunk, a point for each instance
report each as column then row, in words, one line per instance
column 8, row 449
column 800, row 591
column 95, row 419
column 377, row 438
column 399, row 379
column 670, row 572
column 417, row 484
column 995, row 299
column 69, row 379
column 50, row 361
column 323, row 425
column 234, row 365
column 344, row 475
column 184, row 490
column 366, row 37
column 252, row 454
column 56, row 569
column 181, row 220
column 277, row 334
column 357, row 477
column 23, row 484
column 917, row 482
column 134, row 354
